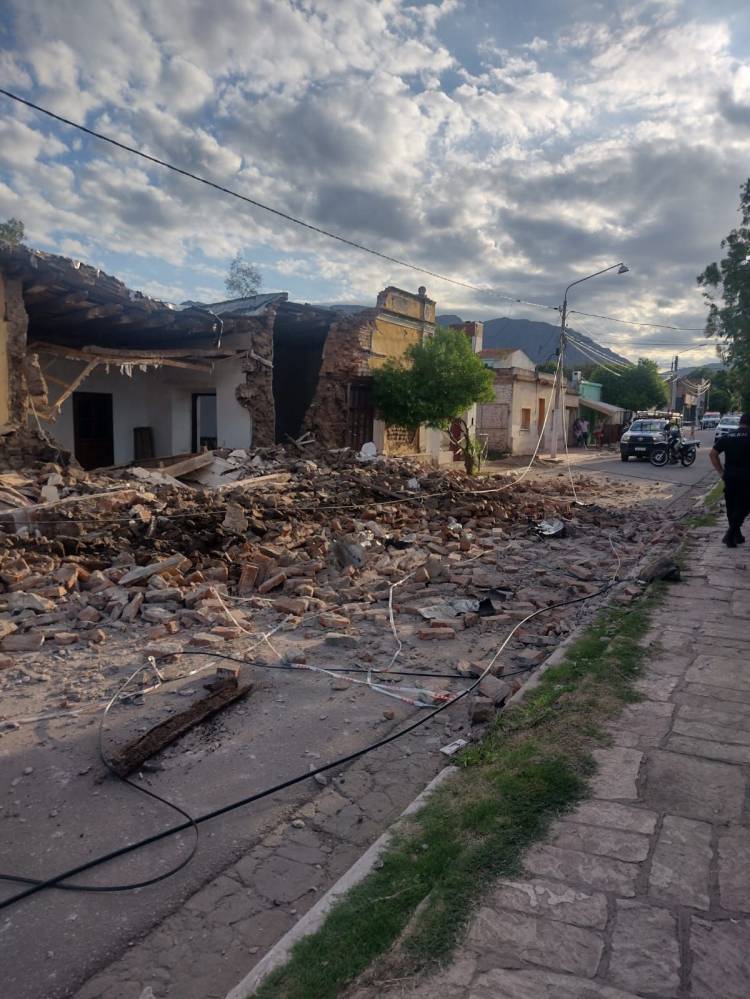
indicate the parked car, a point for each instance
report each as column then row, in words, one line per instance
column 726, row 425
column 640, row 438
column 710, row 420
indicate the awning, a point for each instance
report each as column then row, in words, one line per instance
column 615, row 412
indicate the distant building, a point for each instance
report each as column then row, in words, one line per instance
column 523, row 398
column 601, row 416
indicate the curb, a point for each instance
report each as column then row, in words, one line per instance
column 313, row 919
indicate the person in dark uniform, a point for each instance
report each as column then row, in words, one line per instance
column 736, row 475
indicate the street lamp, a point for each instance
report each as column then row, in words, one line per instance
column 557, row 413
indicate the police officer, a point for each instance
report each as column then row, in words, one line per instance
column 736, row 475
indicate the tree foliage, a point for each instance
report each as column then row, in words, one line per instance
column 12, row 231
column 637, row 387
column 437, row 380
column 726, row 287
column 243, row 279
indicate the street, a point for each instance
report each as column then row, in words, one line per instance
column 610, row 463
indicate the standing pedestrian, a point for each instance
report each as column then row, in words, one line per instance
column 577, row 431
column 584, row 432
column 736, row 475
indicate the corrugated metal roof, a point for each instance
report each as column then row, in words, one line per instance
column 255, row 305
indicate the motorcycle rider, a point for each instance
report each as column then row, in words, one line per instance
column 674, row 438
column 736, row 475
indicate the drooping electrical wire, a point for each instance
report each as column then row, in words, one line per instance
column 597, row 360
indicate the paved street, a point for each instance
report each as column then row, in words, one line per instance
column 609, row 463
column 645, row 889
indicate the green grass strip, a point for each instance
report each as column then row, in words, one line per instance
column 531, row 767
column 711, row 500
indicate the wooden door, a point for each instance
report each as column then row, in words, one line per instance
column 360, row 415
column 92, row 429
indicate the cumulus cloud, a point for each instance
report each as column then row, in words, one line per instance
column 513, row 153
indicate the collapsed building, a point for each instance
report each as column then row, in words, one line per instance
column 115, row 376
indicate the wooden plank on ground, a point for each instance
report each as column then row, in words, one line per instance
column 135, row 753
column 253, row 482
column 191, row 464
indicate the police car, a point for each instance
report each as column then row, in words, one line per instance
column 639, row 439
column 727, row 425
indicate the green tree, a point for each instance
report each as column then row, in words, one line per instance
column 637, row 387
column 243, row 279
column 12, row 231
column 434, row 384
column 726, row 287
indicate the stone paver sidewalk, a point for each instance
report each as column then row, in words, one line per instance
column 645, row 889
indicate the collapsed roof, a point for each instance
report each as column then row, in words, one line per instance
column 76, row 305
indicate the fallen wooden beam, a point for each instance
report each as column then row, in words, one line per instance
column 191, row 464
column 253, row 482
column 102, row 355
column 135, row 753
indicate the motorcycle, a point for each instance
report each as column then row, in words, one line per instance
column 674, row 451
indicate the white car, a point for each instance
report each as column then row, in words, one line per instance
column 710, row 420
column 726, row 425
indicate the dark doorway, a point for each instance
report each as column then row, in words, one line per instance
column 92, row 429
column 203, row 431
column 299, row 335
column 359, row 423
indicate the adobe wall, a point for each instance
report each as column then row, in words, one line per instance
column 255, row 393
column 346, row 356
column 14, row 323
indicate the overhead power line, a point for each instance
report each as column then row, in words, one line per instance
column 597, row 355
column 632, row 322
column 273, row 211
column 593, row 357
column 318, row 229
column 682, row 347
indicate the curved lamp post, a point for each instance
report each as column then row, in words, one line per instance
column 559, row 410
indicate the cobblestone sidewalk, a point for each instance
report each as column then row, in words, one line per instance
column 645, row 889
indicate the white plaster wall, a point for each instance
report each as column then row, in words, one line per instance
column 160, row 398
column 234, row 423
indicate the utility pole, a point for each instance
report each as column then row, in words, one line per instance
column 675, row 367
column 558, row 414
column 559, row 406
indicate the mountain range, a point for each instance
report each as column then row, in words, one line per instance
column 537, row 340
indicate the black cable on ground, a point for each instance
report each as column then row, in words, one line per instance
column 292, row 667
column 57, row 880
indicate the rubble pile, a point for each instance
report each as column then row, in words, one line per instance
column 329, row 552
column 330, row 547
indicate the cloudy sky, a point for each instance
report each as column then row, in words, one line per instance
column 512, row 144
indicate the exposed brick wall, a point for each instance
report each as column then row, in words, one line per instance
column 400, row 440
column 495, row 418
column 255, row 394
column 16, row 323
column 346, row 355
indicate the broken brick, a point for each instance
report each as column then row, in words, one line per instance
column 28, row 641
column 272, row 583
column 333, row 621
column 291, row 605
column 248, row 577
column 436, row 634
column 205, row 639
